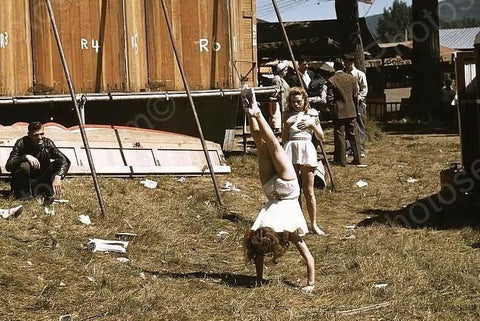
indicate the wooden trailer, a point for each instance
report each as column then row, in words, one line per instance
column 123, row 45
column 120, row 56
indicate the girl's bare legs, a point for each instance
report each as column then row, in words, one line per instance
column 264, row 137
column 265, row 165
column 308, row 177
column 305, row 252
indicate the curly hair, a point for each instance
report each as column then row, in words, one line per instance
column 265, row 241
column 297, row 91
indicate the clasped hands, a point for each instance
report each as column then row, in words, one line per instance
column 57, row 180
column 303, row 124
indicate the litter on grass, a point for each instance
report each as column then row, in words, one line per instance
column 84, row 219
column 61, row 201
column 361, row 183
column 349, row 237
column 66, row 317
column 149, row 183
column 49, row 210
column 99, row 245
column 412, row 180
column 229, row 187
column 123, row 260
column 11, row 212
column 381, row 285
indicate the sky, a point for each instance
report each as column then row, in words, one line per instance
column 302, row 10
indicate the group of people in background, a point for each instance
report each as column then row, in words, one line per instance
column 330, row 100
column 296, row 113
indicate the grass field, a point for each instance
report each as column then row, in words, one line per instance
column 187, row 261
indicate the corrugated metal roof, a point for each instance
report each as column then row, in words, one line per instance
column 463, row 38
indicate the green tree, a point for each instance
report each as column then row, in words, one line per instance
column 395, row 23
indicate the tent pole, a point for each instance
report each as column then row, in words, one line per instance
column 300, row 81
column 77, row 109
column 192, row 104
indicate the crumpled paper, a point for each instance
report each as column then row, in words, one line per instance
column 100, row 245
column 11, row 212
column 229, row 187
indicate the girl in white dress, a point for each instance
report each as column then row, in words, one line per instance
column 281, row 220
column 301, row 122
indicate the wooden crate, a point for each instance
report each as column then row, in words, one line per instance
column 16, row 74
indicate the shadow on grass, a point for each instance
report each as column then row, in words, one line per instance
column 229, row 279
column 236, row 218
column 439, row 211
column 5, row 193
column 417, row 128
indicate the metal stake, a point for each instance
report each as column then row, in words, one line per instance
column 300, row 81
column 77, row 109
column 192, row 104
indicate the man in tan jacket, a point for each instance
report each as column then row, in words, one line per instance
column 342, row 96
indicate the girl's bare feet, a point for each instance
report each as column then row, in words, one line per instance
column 249, row 102
column 308, row 289
column 318, row 231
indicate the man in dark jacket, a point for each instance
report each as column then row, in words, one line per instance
column 342, row 95
column 37, row 165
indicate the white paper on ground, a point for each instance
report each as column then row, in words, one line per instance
column 361, row 184
column 49, row 210
column 149, row 183
column 61, row 201
column 66, row 317
column 84, row 219
column 229, row 187
column 381, row 285
column 100, row 245
column 11, row 212
column 412, row 180
column 123, row 260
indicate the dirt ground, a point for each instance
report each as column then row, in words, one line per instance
column 187, row 263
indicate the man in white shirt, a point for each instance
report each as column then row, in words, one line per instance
column 362, row 95
column 305, row 74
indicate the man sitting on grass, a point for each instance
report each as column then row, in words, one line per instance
column 37, row 166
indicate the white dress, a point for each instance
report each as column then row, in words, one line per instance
column 299, row 146
column 282, row 213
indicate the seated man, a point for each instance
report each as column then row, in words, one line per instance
column 37, row 166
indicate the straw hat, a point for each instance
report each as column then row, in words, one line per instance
column 282, row 65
